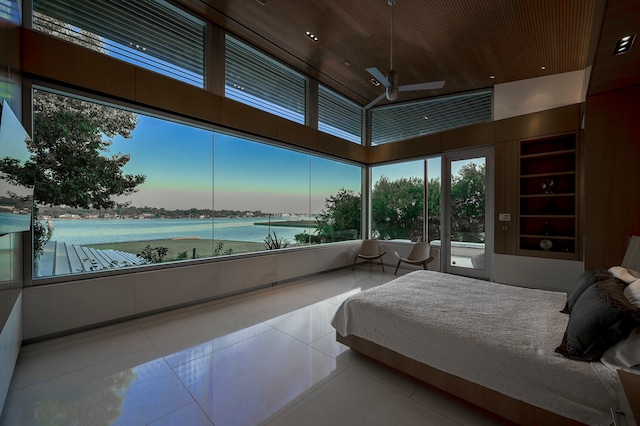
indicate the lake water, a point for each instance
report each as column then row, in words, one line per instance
column 99, row 231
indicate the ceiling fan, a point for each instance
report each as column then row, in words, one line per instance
column 390, row 82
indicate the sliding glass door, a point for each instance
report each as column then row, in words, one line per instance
column 467, row 237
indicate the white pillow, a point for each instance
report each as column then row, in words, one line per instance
column 632, row 292
column 623, row 273
column 624, row 354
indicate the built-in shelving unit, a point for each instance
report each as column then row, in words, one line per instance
column 548, row 201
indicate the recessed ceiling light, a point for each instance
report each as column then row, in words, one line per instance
column 624, row 44
column 312, row 36
column 543, row 68
column 374, row 81
column 492, row 76
column 137, row 46
column 347, row 63
column 426, row 118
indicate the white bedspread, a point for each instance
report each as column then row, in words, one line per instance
column 501, row 337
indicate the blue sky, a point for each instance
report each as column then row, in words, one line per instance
column 183, row 166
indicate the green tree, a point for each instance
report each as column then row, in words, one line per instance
column 468, row 204
column 341, row 217
column 397, row 208
column 70, row 156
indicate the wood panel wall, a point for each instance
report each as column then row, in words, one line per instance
column 51, row 59
column 612, row 175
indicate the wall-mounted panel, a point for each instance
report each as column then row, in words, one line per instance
column 158, row 91
column 57, row 60
column 558, row 120
column 56, row 308
column 242, row 117
column 467, row 137
column 60, row 308
column 522, row 97
column 612, row 155
column 336, row 146
column 174, row 286
column 412, row 148
column 537, row 272
column 297, row 134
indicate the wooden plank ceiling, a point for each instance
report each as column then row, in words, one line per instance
column 463, row 42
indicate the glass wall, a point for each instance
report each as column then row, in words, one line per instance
column 397, row 201
column 119, row 189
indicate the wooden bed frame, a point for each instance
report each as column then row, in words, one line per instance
column 504, row 406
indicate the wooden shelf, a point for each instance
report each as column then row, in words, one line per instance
column 547, row 254
column 548, row 215
column 548, row 237
column 548, row 154
column 568, row 194
column 549, row 174
column 548, row 164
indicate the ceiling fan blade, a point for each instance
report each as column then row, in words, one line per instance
column 422, row 86
column 375, row 101
column 379, row 76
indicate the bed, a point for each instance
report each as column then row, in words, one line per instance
column 491, row 344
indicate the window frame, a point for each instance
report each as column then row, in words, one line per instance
column 30, row 84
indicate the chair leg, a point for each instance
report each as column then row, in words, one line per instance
column 382, row 264
column 354, row 263
column 397, row 266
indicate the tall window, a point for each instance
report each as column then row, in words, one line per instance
column 120, row 189
column 409, row 120
column 257, row 80
column 397, row 201
column 151, row 34
column 339, row 116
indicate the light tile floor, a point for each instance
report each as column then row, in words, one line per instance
column 267, row 357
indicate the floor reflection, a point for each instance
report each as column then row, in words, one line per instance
column 245, row 360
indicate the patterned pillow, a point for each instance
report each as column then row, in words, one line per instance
column 583, row 282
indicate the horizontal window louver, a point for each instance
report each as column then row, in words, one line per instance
column 339, row 116
column 261, row 82
column 9, row 11
column 410, row 120
column 150, row 34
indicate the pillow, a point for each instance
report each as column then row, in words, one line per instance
column 625, row 354
column 632, row 292
column 601, row 317
column 624, row 274
column 585, row 279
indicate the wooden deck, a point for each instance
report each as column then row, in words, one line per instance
column 60, row 258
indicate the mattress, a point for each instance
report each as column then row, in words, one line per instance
column 498, row 336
